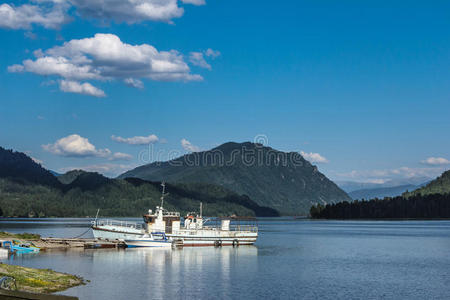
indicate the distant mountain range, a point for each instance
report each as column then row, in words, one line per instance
column 27, row 189
column 390, row 188
column 280, row 180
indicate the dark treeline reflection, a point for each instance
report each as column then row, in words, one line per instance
column 414, row 207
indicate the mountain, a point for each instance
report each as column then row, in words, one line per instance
column 381, row 192
column 350, row 186
column 440, row 185
column 70, row 176
column 17, row 166
column 27, row 189
column 283, row 181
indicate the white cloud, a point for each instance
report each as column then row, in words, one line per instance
column 136, row 140
column 197, row 59
column 188, row 146
column 130, row 11
column 24, row 16
column 120, row 156
column 436, row 161
column 194, row 2
column 314, row 157
column 54, row 13
column 108, row 169
column 75, row 146
column 384, row 175
column 136, row 83
column 86, row 88
column 212, row 53
column 105, row 57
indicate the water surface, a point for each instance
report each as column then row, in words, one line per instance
column 291, row 259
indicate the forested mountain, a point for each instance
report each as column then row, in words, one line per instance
column 81, row 193
column 19, row 167
column 430, row 201
column 431, row 206
column 280, row 180
column 440, row 185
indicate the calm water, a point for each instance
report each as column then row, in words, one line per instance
column 292, row 259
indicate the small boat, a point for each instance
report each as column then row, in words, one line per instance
column 154, row 239
column 18, row 247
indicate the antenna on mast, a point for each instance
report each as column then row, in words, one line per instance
column 201, row 209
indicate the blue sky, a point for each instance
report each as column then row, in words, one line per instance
column 361, row 87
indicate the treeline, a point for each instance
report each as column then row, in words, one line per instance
column 116, row 197
column 414, row 207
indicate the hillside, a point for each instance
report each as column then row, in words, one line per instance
column 19, row 167
column 440, row 185
column 382, row 192
column 27, row 191
column 280, row 180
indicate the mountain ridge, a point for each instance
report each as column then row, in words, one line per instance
column 284, row 181
column 31, row 191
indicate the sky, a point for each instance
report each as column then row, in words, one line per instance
column 359, row 88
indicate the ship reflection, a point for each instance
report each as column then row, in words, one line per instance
column 163, row 271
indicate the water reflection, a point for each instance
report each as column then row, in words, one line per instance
column 158, row 272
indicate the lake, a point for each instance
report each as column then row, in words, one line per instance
column 291, row 259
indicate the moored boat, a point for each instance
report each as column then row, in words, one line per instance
column 155, row 239
column 195, row 231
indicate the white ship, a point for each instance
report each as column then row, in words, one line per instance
column 195, row 231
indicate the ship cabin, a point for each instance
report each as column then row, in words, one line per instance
column 162, row 221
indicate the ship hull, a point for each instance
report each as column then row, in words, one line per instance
column 148, row 243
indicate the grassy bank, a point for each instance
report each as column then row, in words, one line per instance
column 20, row 236
column 39, row 280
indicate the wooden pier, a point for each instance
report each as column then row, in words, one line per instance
column 63, row 243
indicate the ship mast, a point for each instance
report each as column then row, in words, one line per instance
column 163, row 184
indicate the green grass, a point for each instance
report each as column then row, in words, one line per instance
column 39, row 280
column 22, row 236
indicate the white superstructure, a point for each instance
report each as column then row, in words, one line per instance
column 195, row 231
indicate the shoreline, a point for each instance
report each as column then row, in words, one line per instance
column 44, row 281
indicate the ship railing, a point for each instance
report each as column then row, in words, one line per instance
column 109, row 222
column 171, row 214
column 249, row 228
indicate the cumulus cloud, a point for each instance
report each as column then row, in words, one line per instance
column 86, row 88
column 105, row 57
column 75, row 146
column 131, row 11
column 188, row 146
column 24, row 16
column 314, row 157
column 436, row 161
column 136, row 140
column 54, row 13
